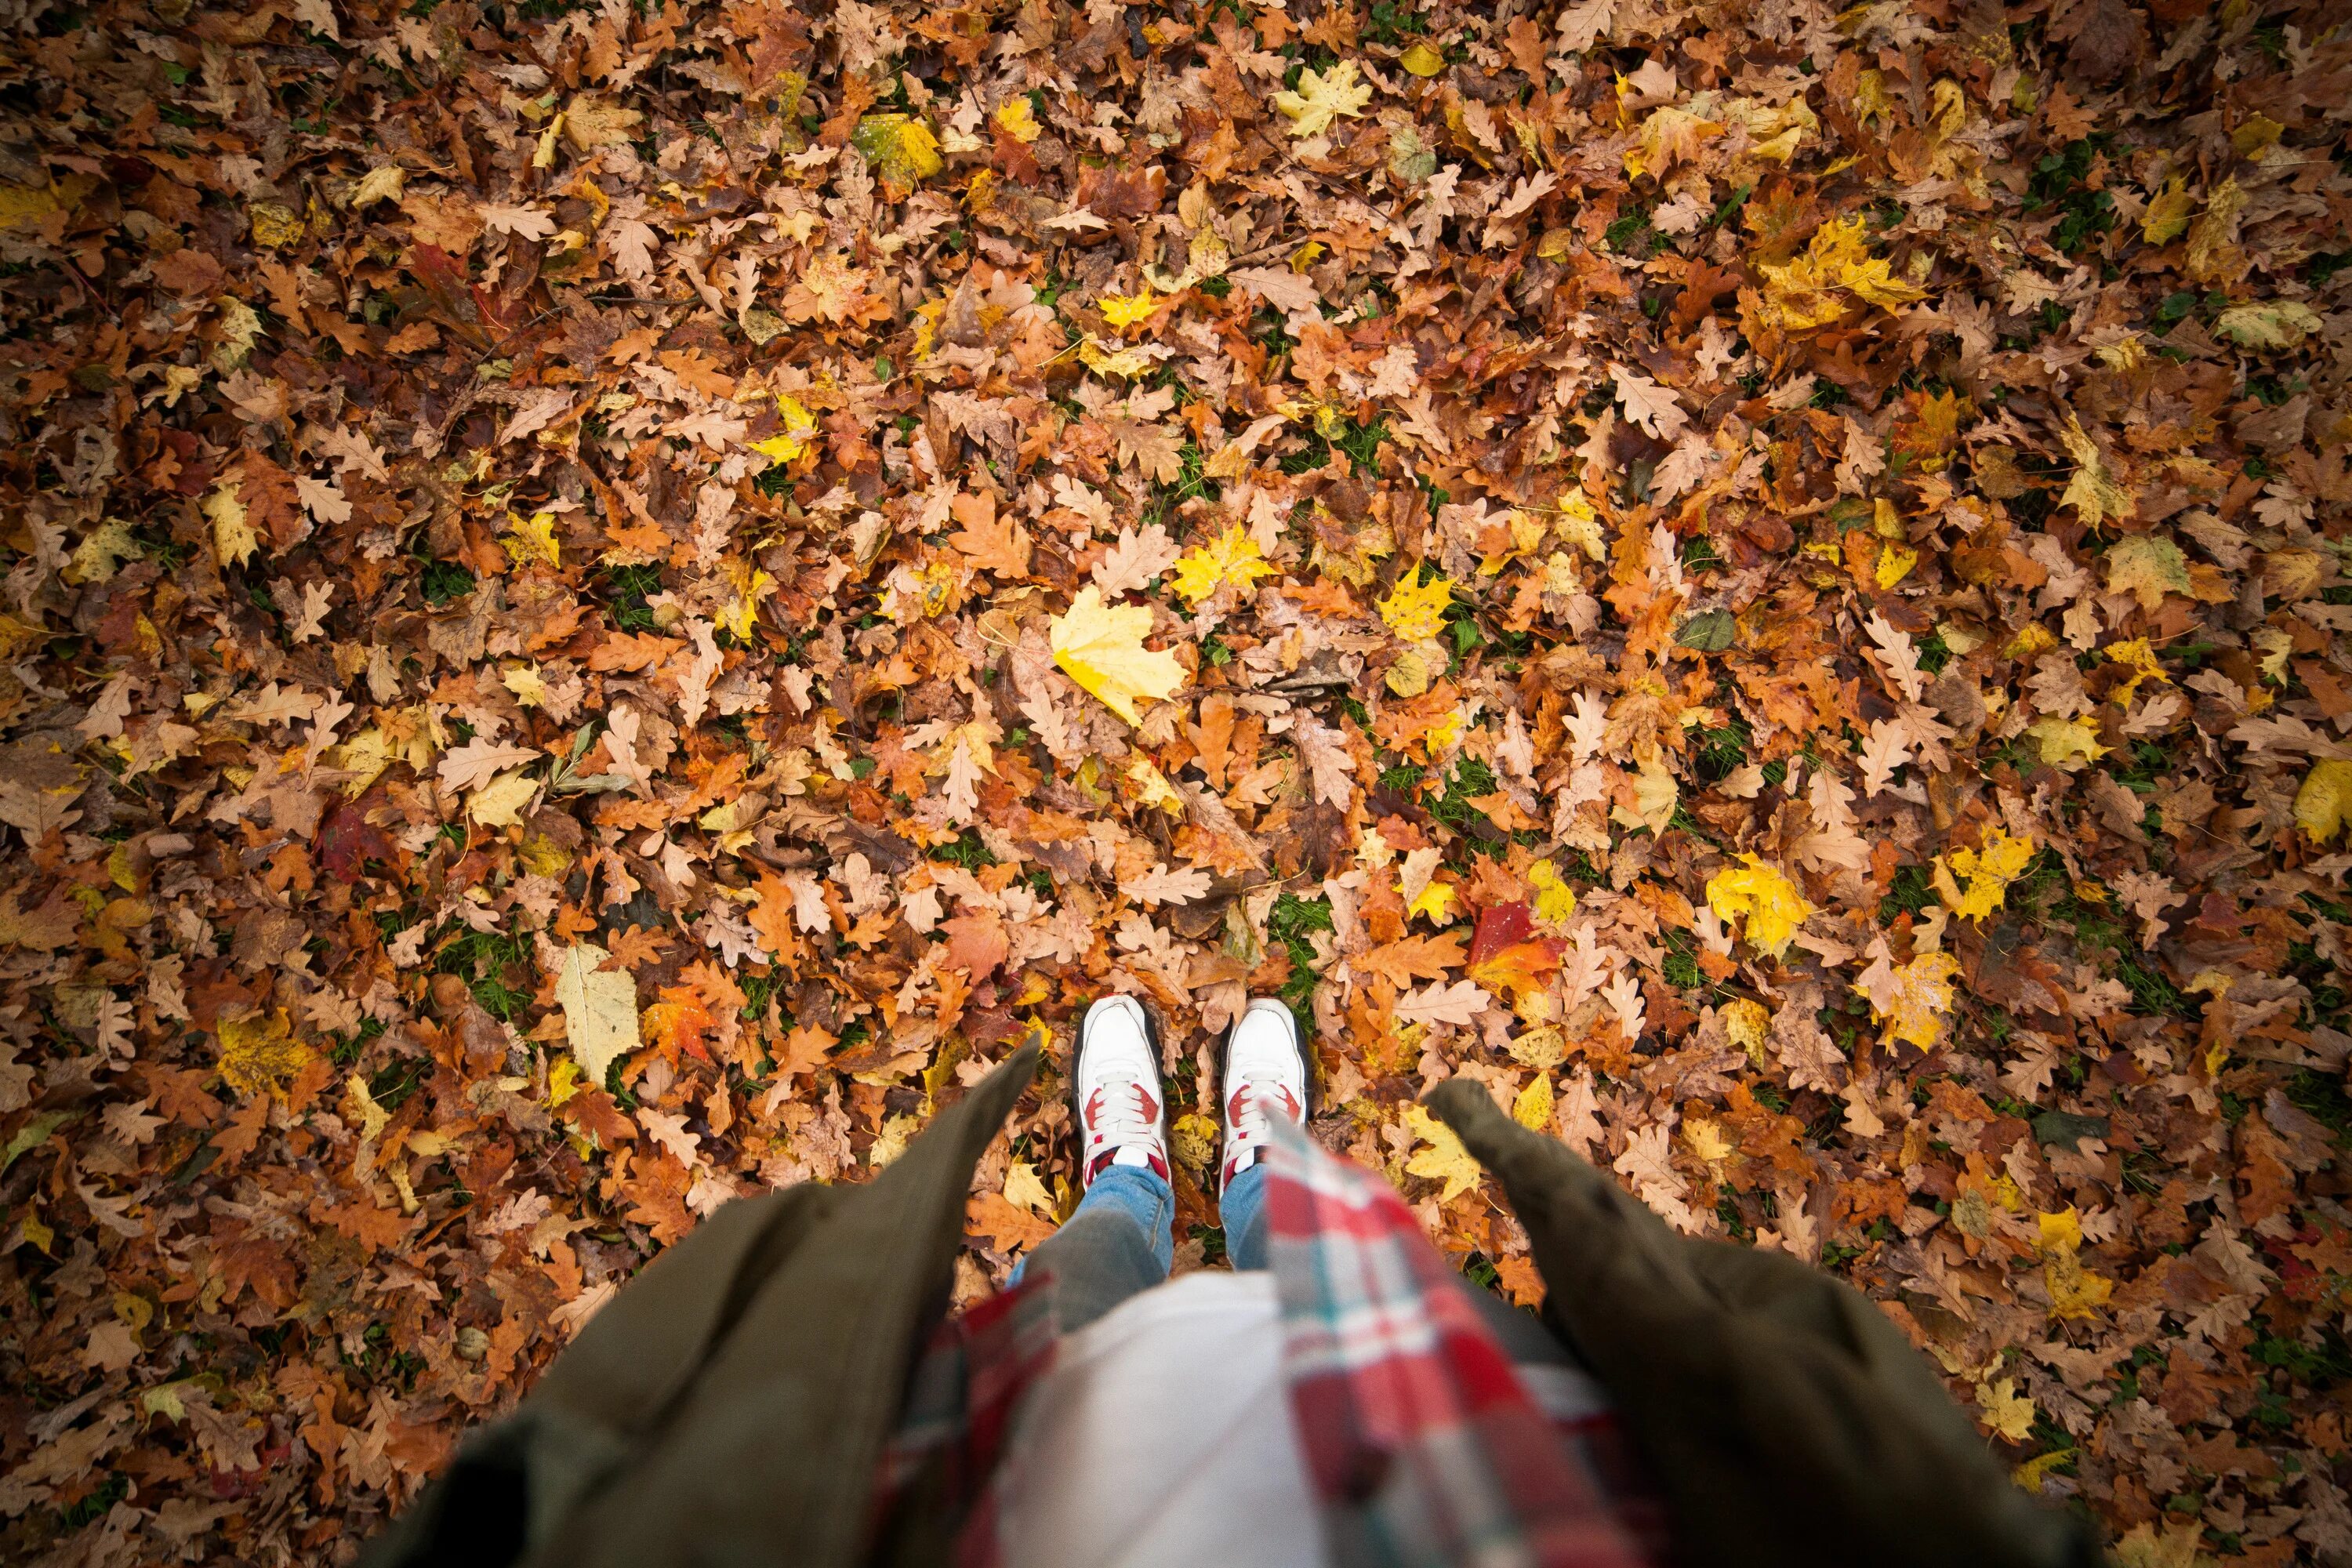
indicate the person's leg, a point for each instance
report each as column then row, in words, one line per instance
column 1265, row 1078
column 1119, row 1242
column 1242, row 1205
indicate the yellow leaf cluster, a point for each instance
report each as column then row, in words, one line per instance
column 1819, row 286
column 1760, row 896
column 1446, row 1160
column 1100, row 647
column 1974, row 882
column 1234, row 558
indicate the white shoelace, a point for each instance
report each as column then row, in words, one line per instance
column 1122, row 1123
column 1247, row 1133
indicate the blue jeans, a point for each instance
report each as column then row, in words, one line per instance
column 1118, row 1241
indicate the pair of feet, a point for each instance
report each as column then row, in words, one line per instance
column 1122, row 1113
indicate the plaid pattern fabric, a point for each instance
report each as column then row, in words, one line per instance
column 1420, row 1442
column 960, row 1407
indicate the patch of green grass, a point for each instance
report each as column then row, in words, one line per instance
column 1291, row 923
column 1470, row 777
column 2323, row 1098
column 2057, row 182
column 965, row 851
column 1910, row 893
column 95, row 1505
column 1718, row 749
column 445, row 580
column 626, row 590
column 484, row 961
column 1192, row 480
column 391, row 1084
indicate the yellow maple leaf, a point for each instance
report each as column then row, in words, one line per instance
column 1415, row 610
column 2146, row 567
column 1894, row 563
column 1435, row 900
column 2007, row 1413
column 1704, row 1137
column 2324, row 804
column 1017, row 118
column 1193, row 1139
column 563, row 1080
column 1446, row 1160
column 2166, row 217
column 2063, row 740
column 1323, row 96
column 1152, row 788
column 1760, row 895
column 1533, row 1105
column 2074, row 1290
column 1909, row 1001
column 275, row 224
column 1126, row 309
column 1023, row 1188
column 1987, row 871
column 1234, row 558
column 532, row 538
column 750, row 586
column 260, row 1054
column 1100, row 647
column 2138, row 655
column 2061, row 1231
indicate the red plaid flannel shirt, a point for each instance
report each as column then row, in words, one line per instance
column 1420, row 1441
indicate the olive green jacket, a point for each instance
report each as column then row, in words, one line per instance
column 730, row 1406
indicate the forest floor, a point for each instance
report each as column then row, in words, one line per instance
column 603, row 604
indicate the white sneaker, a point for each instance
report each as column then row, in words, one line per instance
column 1265, row 1077
column 1115, row 1091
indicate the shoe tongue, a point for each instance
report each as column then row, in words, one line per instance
column 1133, row 1154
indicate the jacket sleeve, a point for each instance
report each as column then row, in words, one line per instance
column 736, row 1395
column 1785, row 1419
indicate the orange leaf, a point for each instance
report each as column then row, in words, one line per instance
column 679, row 1022
column 1014, row 1229
column 1412, row 958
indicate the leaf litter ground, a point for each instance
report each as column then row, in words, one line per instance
column 604, row 604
